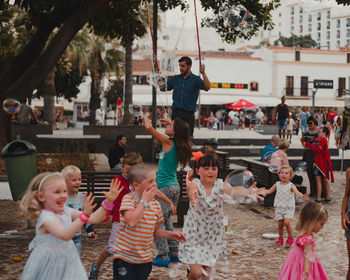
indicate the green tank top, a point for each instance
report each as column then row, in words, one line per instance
column 167, row 168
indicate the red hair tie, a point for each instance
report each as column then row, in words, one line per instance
column 197, row 156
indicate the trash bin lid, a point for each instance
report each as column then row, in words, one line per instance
column 18, row 148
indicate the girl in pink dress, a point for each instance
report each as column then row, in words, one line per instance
column 301, row 261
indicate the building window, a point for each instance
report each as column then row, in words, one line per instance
column 348, row 32
column 301, row 10
column 318, row 46
column 348, row 57
column 304, row 86
column 341, row 86
column 328, row 45
column 318, row 26
column 338, row 23
column 328, row 14
column 318, row 16
column 328, row 35
column 338, row 44
column 310, row 17
column 318, row 36
column 328, row 25
column 289, row 85
column 300, row 29
column 348, row 43
column 292, row 20
column 347, row 22
column 292, row 29
column 338, row 34
column 297, row 55
column 292, row 11
column 309, row 28
column 280, row 14
column 301, row 19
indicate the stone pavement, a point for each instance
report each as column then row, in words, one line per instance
column 249, row 255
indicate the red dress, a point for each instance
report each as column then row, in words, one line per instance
column 322, row 159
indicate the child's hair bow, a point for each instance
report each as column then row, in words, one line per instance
column 197, row 156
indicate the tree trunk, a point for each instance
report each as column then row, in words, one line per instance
column 95, row 92
column 5, row 124
column 49, row 93
column 128, row 117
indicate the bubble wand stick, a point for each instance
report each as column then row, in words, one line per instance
column 199, row 47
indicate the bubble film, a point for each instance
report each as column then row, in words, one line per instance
column 11, row 106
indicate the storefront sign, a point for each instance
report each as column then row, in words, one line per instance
column 323, row 83
column 229, row 85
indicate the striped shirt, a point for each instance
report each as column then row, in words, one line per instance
column 135, row 244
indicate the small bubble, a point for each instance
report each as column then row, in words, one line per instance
column 122, row 271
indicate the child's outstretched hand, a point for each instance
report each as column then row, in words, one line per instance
column 147, row 122
column 89, row 203
column 256, row 193
column 114, row 190
column 179, row 236
column 192, row 192
column 305, row 197
column 165, row 121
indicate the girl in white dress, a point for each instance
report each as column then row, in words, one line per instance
column 204, row 228
column 53, row 253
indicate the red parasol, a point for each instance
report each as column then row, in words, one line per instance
column 241, row 104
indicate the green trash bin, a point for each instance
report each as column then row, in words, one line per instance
column 20, row 162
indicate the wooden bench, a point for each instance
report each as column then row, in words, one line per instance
column 97, row 182
column 265, row 178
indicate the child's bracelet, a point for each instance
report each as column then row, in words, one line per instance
column 106, row 206
column 85, row 214
column 83, row 219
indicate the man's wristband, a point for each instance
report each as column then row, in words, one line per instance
column 144, row 203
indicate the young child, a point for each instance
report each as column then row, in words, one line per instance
column 129, row 160
column 285, row 203
column 301, row 261
column 140, row 218
column 204, row 228
column 75, row 200
column 345, row 216
column 53, row 251
column 176, row 148
column 322, row 165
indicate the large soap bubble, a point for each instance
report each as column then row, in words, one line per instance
column 243, row 178
column 135, row 109
column 275, row 163
column 11, row 106
column 267, row 157
column 250, row 113
column 158, row 80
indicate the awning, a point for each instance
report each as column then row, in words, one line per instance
column 319, row 102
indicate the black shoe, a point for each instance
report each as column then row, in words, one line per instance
column 318, row 200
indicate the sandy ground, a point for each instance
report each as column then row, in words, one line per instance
column 249, row 255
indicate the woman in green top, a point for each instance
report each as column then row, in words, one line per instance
column 176, row 149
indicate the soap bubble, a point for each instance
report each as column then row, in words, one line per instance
column 250, row 113
column 275, row 163
column 234, row 16
column 243, row 178
column 301, row 167
column 158, row 80
column 175, row 271
column 11, row 106
column 122, row 271
column 135, row 109
column 267, row 157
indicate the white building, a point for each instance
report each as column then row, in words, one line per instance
column 327, row 22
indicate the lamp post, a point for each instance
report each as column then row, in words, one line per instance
column 314, row 91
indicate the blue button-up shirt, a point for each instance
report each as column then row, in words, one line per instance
column 186, row 91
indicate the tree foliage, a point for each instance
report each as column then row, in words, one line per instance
column 296, row 41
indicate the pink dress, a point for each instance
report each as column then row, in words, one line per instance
column 293, row 267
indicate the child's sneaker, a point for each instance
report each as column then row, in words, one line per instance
column 174, row 258
column 318, row 200
column 279, row 242
column 329, row 200
column 93, row 272
column 289, row 242
column 159, row 261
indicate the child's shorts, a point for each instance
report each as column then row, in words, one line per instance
column 317, row 172
column 115, row 229
column 282, row 213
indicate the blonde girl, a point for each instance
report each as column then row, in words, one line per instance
column 302, row 261
column 285, row 203
column 53, row 251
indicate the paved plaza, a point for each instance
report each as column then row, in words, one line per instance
column 249, row 255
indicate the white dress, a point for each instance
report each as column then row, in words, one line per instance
column 204, row 228
column 51, row 257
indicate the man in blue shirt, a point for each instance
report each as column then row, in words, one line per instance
column 270, row 148
column 186, row 88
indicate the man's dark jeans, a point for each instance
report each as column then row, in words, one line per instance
column 186, row 116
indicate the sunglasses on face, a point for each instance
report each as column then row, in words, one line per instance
column 310, row 123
